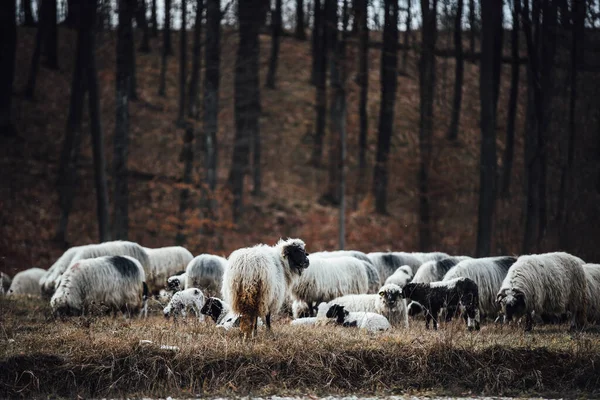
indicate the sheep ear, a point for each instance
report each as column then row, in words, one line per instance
column 196, row 291
column 381, row 294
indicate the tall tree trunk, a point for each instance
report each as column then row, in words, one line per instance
column 95, row 122
column 193, row 98
column 8, row 49
column 187, row 156
column 316, row 41
column 143, row 24
column 121, row 137
column 67, row 172
column 162, row 81
column 275, row 34
column 154, row 20
column 246, row 99
column 426, row 91
column 40, row 38
column 167, row 28
column 182, row 64
column 459, row 73
column 51, row 36
column 407, row 34
column 498, row 46
column 72, row 12
column 491, row 17
column 133, row 85
column 300, row 32
column 473, row 30
column 28, row 13
column 340, row 107
column 211, row 97
column 389, row 82
column 507, row 159
column 363, row 81
column 321, row 71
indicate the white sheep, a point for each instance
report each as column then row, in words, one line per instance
column 304, row 321
column 26, row 282
column 206, row 272
column 257, row 279
column 5, row 282
column 369, row 321
column 176, row 283
column 387, row 263
column 592, row 274
column 551, row 283
column 401, row 277
column 434, row 271
column 328, row 278
column 372, row 273
column 433, row 256
column 117, row 282
column 184, row 300
column 165, row 262
column 488, row 273
column 49, row 282
column 300, row 309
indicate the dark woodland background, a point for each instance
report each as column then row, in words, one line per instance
column 474, row 132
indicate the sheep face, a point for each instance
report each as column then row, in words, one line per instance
column 296, row 256
column 391, row 295
column 174, row 284
column 512, row 303
column 338, row 312
column 213, row 308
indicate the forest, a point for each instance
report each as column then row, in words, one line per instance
column 470, row 127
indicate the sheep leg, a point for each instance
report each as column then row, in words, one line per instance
column 427, row 319
column 268, row 322
column 435, row 315
column 578, row 320
column 528, row 322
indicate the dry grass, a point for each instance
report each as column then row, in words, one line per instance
column 94, row 356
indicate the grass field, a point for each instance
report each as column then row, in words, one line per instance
column 103, row 356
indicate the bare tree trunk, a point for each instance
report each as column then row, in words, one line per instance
column 8, row 49
column 143, row 24
column 459, row 73
column 300, row 32
column 193, row 99
column 95, row 123
column 473, row 30
column 389, row 83
column 121, row 137
column 426, row 89
column 133, row 85
column 27, row 12
column 162, row 82
column 276, row 33
column 407, row 34
column 491, row 17
column 167, row 28
column 187, row 156
column 340, row 107
column 507, row 159
column 51, row 36
column 72, row 12
column 154, row 20
column 363, row 81
column 316, row 41
column 37, row 52
column 182, row 64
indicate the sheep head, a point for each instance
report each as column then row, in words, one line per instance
column 338, row 312
column 391, row 295
column 512, row 302
column 293, row 251
column 213, row 308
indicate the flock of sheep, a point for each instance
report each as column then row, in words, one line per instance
column 374, row 291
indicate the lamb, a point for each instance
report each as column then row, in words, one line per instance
column 221, row 314
column 450, row 294
column 387, row 263
column 26, row 282
column 550, row 283
column 206, row 272
column 369, row 321
column 5, row 282
column 592, row 274
column 165, row 262
column 488, row 273
column 329, row 278
column 50, row 280
column 434, row 271
column 117, row 282
column 176, row 282
column 401, row 277
column 257, row 280
column 372, row 273
column 182, row 301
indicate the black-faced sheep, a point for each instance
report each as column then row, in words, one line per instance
column 257, row 279
column 551, row 283
column 27, row 282
column 176, row 282
column 165, row 262
column 434, row 296
column 183, row 301
column 372, row 322
column 117, row 282
column 206, row 272
column 592, row 274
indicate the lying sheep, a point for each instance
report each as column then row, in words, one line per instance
column 434, row 271
column 206, row 272
column 447, row 294
column 551, row 283
column 27, row 282
column 5, row 282
column 257, row 279
column 401, row 277
column 176, row 282
column 387, row 263
column 184, row 300
column 369, row 321
column 117, row 282
column 165, row 262
column 592, row 274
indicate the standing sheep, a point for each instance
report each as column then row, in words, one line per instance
column 206, row 272
column 551, row 283
column 329, row 278
column 49, row 281
column 258, row 278
column 433, row 256
column 5, row 282
column 592, row 274
column 27, row 282
column 117, row 282
column 165, row 262
column 372, row 273
column 401, row 277
column 488, row 273
column 387, row 263
column 182, row 301
column 434, row 271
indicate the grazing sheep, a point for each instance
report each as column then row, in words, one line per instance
column 488, row 273
column 5, row 282
column 176, row 282
column 369, row 321
column 434, row 271
column 551, row 283
column 304, row 321
column 387, row 263
column 434, row 296
column 401, row 277
column 49, row 282
column 117, row 282
column 165, row 262
column 372, row 273
column 434, row 256
column 592, row 274
column 26, row 282
column 328, row 278
column 257, row 279
column 184, row 300
column 206, row 272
